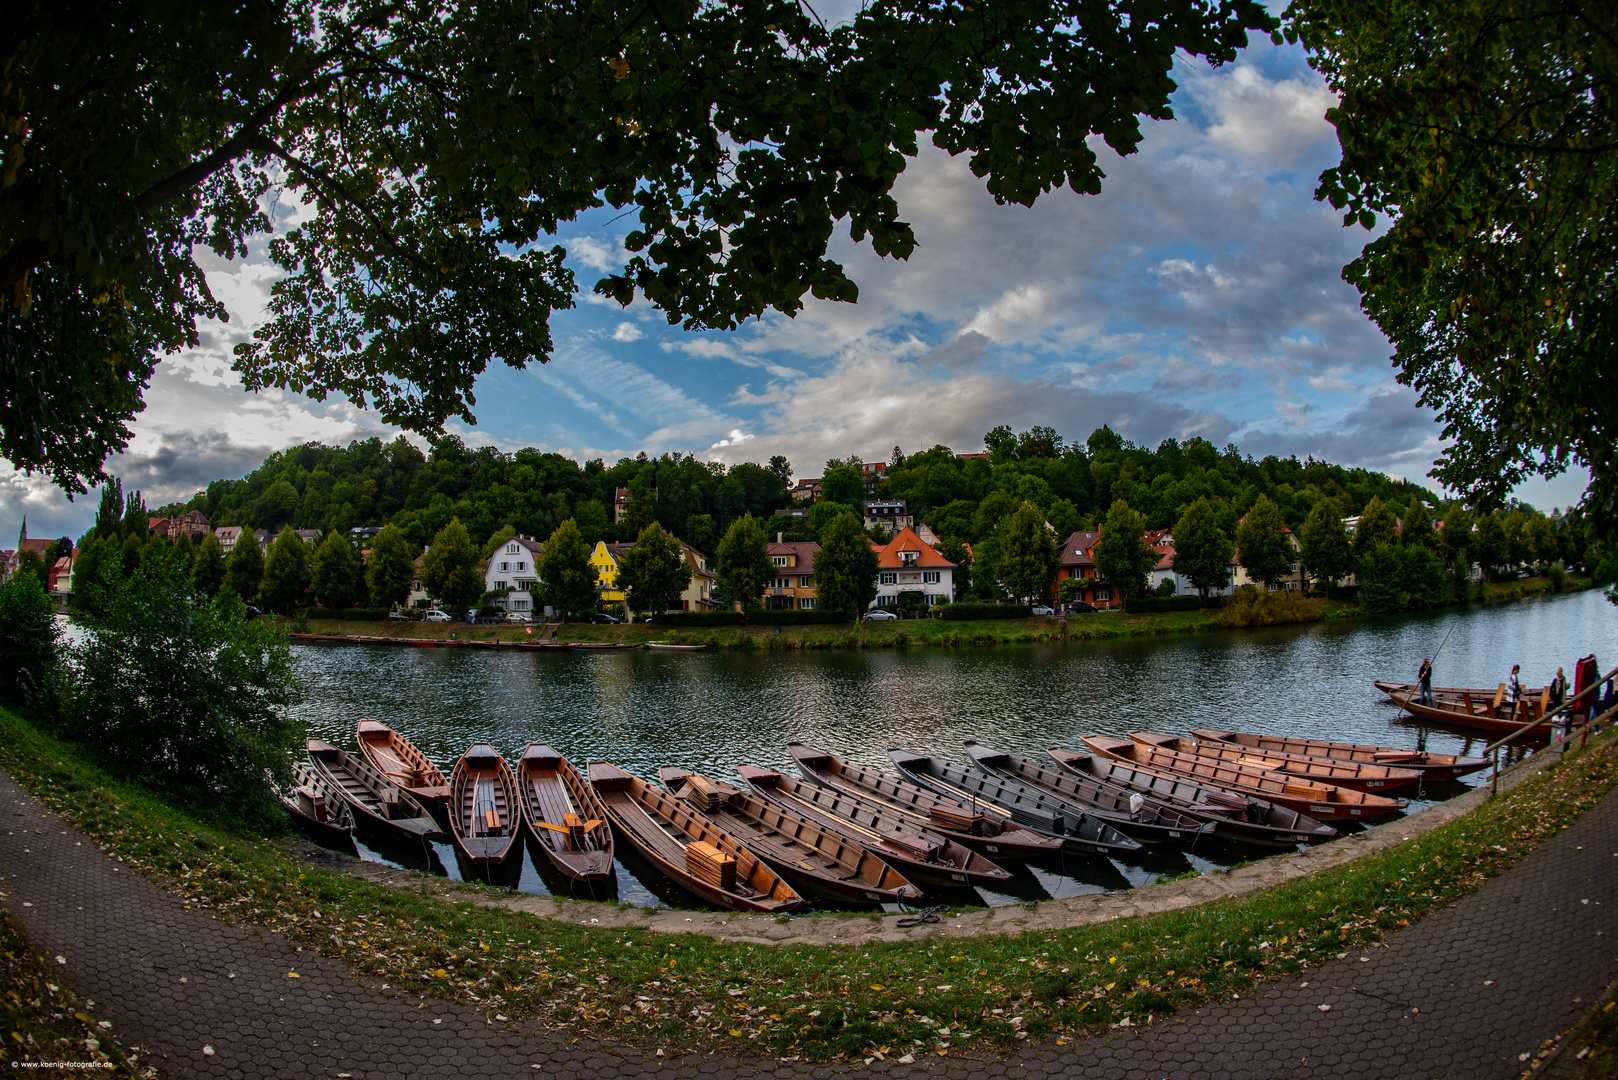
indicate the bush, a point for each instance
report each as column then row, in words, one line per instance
column 352, row 614
column 783, row 617
column 1401, row 577
column 187, row 694
column 1250, row 606
column 701, row 618
column 1142, row 605
column 985, row 611
column 28, row 646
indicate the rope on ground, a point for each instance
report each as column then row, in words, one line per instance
column 925, row 915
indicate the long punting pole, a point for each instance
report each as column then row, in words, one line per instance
column 1434, row 660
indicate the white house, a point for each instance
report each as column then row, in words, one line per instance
column 907, row 564
column 514, row 565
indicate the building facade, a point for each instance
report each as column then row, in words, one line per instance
column 514, row 566
column 906, row 564
column 888, row 515
column 794, row 584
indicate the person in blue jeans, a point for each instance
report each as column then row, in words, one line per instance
column 1426, row 680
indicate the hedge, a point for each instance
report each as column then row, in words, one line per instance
column 352, row 614
column 985, row 611
column 782, row 617
column 1142, row 605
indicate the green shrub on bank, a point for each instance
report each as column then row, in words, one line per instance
column 1249, row 606
column 349, row 614
column 782, row 617
column 28, row 641
column 984, row 611
column 1401, row 577
column 1151, row 605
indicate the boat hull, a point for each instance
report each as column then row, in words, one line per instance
column 1468, row 713
column 1348, row 775
column 380, row 808
column 1431, row 766
column 550, row 789
column 485, row 816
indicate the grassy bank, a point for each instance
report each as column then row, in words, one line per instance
column 1273, row 610
column 950, row 996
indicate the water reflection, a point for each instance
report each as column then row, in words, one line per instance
column 712, row 711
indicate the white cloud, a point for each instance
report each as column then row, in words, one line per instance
column 627, row 331
column 596, row 254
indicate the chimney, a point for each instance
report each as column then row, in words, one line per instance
column 780, row 537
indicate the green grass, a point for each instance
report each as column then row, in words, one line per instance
column 686, row 992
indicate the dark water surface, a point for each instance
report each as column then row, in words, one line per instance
column 712, row 711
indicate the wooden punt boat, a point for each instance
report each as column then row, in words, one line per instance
column 603, row 646
column 379, row 805
column 669, row 833
column 1488, row 711
column 397, row 758
column 993, row 834
column 1352, row 775
column 1431, row 766
column 563, row 815
column 655, row 647
column 1081, row 832
column 1147, row 820
column 317, row 808
column 485, row 815
column 1320, row 801
column 1240, row 819
column 929, row 859
column 1539, row 695
column 812, row 857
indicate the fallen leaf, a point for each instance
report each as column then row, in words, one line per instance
column 207, row 1051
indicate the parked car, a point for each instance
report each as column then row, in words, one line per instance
column 399, row 616
column 253, row 612
column 1041, row 609
column 603, row 617
column 517, row 617
column 437, row 616
column 1079, row 606
column 879, row 615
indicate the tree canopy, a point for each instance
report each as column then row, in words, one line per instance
column 654, row 572
column 433, row 150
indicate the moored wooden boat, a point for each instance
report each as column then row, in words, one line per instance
column 399, row 759
column 1431, row 766
column 991, row 833
column 1148, row 820
column 656, row 647
column 1353, row 775
column 1487, row 712
column 929, row 859
column 1453, row 694
column 1081, row 832
column 687, row 847
column 1320, row 801
column 563, row 815
column 1240, row 819
column 379, row 805
column 603, row 646
column 485, row 815
column 317, row 808
column 812, row 857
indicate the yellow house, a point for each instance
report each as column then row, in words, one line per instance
column 605, row 561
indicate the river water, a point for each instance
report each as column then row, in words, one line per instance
column 712, row 711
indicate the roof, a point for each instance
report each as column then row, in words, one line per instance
column 1079, row 548
column 36, row 545
column 229, row 530
column 907, row 540
column 527, row 544
column 695, row 559
column 805, row 550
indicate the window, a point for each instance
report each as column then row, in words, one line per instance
column 511, row 548
column 807, row 581
column 889, row 578
column 504, row 567
column 521, row 566
column 931, row 577
column 909, row 558
column 519, row 605
column 783, row 583
column 520, row 585
column 805, row 603
column 1103, row 594
column 780, row 560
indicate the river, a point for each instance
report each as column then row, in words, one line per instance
column 714, row 710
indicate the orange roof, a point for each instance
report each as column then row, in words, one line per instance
column 906, row 540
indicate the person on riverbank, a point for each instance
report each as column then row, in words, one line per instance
column 1425, row 678
column 1514, row 690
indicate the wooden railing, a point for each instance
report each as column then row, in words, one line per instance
column 1574, row 702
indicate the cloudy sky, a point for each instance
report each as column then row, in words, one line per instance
column 1199, row 294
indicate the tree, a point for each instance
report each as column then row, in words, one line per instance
column 28, row 641
column 391, row 569
column 1122, row 558
column 245, row 567
column 30, row 565
column 843, row 484
column 452, row 572
column 1489, row 544
column 700, row 533
column 744, row 568
column 1377, row 526
column 1417, row 527
column 501, row 537
column 190, row 694
column 393, row 131
column 337, row 576
column 824, row 512
column 564, row 568
column 845, row 567
column 1486, row 132
column 286, row 571
column 1202, row 551
column 1456, row 535
column 1262, row 545
column 654, row 572
column 1028, row 554
column 782, row 468
column 1541, row 540
column 1326, row 552
column 1517, row 548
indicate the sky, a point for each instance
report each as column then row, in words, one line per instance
column 1198, row 295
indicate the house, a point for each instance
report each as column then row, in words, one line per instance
column 794, row 585
column 928, row 537
column 418, row 597
column 229, row 534
column 192, row 523
column 698, row 595
column 620, row 505
column 8, row 564
column 973, row 457
column 309, row 536
column 514, row 566
column 605, row 560
column 888, row 515
column 1078, row 561
column 807, row 490
column 793, row 512
column 1294, row 580
column 874, row 474
column 908, row 565
column 59, row 582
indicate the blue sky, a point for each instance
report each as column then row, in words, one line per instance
column 1198, row 294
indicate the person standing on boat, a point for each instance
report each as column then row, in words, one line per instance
column 1426, row 680
column 1514, row 689
column 1558, row 690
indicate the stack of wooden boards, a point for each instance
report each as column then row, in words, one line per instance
column 709, row 865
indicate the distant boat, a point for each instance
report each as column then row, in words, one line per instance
column 1431, row 766
column 1353, row 775
column 397, row 758
column 563, row 815
column 812, row 857
column 485, row 817
column 317, row 808
column 378, row 803
column 689, row 848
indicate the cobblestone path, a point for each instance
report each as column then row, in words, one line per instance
column 1459, row 995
